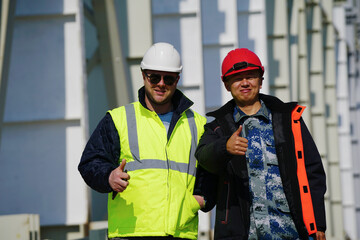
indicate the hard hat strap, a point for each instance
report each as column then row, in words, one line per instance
column 241, row 65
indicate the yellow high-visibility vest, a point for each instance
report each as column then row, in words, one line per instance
column 159, row 198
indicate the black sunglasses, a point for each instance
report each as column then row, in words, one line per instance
column 155, row 78
column 241, row 65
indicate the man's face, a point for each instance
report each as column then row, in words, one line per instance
column 244, row 87
column 161, row 92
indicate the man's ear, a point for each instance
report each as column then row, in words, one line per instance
column 261, row 82
column 143, row 75
column 227, row 86
column 177, row 79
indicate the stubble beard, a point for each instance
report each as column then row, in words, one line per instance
column 154, row 102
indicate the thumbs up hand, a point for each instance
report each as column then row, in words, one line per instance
column 237, row 145
column 118, row 178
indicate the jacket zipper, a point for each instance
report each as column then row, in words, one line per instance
column 227, row 203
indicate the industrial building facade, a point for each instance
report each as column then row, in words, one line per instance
column 65, row 63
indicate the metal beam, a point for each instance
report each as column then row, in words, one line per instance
column 112, row 60
column 303, row 85
column 278, row 48
column 93, row 61
column 89, row 13
column 336, row 227
column 6, row 31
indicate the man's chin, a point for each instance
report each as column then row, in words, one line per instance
column 160, row 101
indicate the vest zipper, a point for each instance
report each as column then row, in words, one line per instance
column 168, row 191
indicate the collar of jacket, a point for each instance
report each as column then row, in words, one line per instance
column 180, row 104
column 273, row 103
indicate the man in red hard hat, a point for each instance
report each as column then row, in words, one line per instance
column 259, row 153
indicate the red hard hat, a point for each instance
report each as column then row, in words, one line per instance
column 240, row 60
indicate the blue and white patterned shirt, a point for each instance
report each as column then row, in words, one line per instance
column 269, row 213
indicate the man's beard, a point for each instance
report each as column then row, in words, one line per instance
column 153, row 101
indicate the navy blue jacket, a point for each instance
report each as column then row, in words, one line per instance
column 101, row 154
column 223, row 178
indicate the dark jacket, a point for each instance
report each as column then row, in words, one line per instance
column 229, row 173
column 101, row 154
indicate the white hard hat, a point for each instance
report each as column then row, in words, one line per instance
column 162, row 57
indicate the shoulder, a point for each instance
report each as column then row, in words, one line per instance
column 225, row 109
column 277, row 105
column 199, row 119
column 198, row 115
column 105, row 129
column 216, row 127
column 223, row 122
column 121, row 110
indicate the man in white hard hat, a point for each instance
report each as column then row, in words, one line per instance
column 150, row 195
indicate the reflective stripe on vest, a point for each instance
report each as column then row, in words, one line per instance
column 306, row 201
column 156, row 163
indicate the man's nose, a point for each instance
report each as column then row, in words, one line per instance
column 162, row 83
column 244, row 81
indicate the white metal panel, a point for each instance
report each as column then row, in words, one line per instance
column 219, row 29
column 191, row 52
column 137, row 80
column 76, row 191
column 44, row 115
column 6, row 35
column 294, row 32
column 21, row 227
column 37, row 91
column 37, row 7
column 352, row 40
column 174, row 7
column 345, row 151
column 33, row 170
column 215, row 92
column 348, row 204
column 225, row 21
column 253, row 5
column 74, row 82
column 252, row 32
column 333, row 157
column 139, row 30
column 226, row 95
column 357, row 150
column 278, row 48
column 97, row 105
column 71, row 6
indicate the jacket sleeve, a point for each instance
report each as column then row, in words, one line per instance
column 316, row 177
column 211, row 151
column 100, row 156
column 206, row 186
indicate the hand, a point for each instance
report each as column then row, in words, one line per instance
column 320, row 235
column 118, row 179
column 237, row 145
column 200, row 200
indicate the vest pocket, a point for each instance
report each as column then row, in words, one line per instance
column 188, row 211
